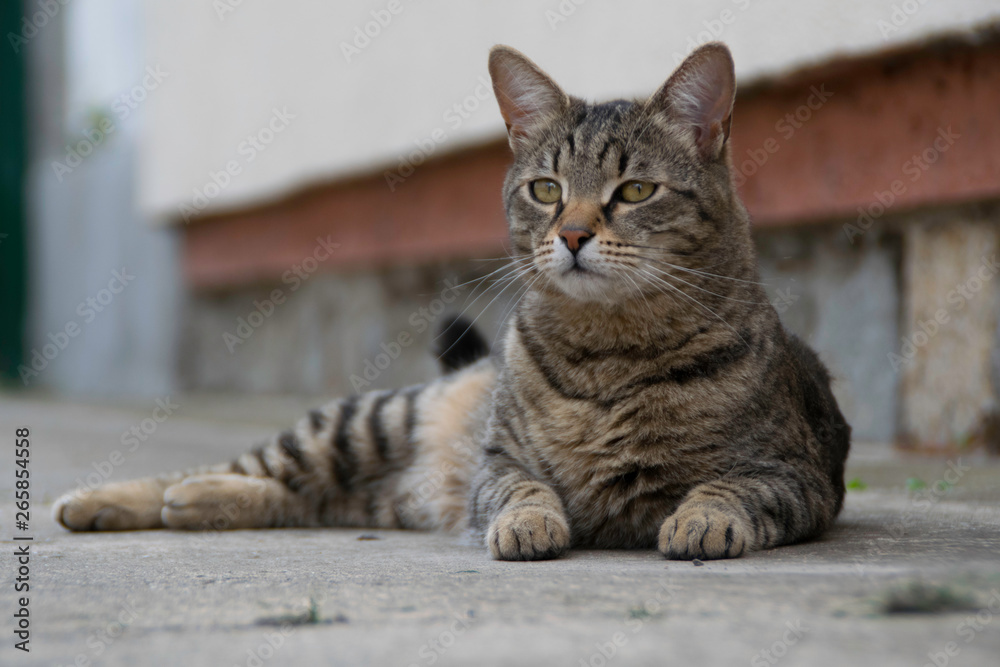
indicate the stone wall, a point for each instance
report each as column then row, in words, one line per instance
column 336, row 333
column 842, row 298
column 948, row 354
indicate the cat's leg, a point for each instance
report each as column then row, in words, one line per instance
column 228, row 501
column 274, row 485
column 205, row 498
column 321, row 473
column 753, row 507
column 355, row 462
column 522, row 517
column 195, row 501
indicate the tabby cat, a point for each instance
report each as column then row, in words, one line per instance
column 646, row 394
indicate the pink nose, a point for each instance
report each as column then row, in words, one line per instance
column 574, row 238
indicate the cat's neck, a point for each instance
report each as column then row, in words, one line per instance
column 654, row 321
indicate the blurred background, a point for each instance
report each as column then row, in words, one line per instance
column 229, row 198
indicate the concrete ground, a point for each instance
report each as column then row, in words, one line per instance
column 909, row 576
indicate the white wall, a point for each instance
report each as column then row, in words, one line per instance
column 229, row 69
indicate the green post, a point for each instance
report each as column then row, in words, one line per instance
column 13, row 265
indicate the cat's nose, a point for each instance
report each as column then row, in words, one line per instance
column 574, row 238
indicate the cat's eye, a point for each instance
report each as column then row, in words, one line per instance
column 546, row 190
column 636, row 191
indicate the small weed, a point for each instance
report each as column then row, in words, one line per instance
column 918, row 597
column 308, row 617
column 856, row 484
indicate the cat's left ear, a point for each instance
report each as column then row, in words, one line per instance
column 700, row 95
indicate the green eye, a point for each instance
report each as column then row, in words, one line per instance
column 546, row 190
column 635, row 191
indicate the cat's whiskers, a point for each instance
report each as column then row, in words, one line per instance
column 505, row 258
column 509, row 279
column 698, row 287
column 706, row 274
column 511, row 270
column 694, row 300
column 509, row 282
column 641, row 296
column 518, row 296
column 690, row 270
column 480, row 279
column 514, row 271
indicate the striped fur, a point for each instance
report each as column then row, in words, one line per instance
column 646, row 394
column 358, row 461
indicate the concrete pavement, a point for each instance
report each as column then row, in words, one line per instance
column 909, row 576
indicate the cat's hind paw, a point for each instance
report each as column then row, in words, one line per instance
column 125, row 506
column 216, row 502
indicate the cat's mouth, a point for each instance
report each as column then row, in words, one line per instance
column 585, row 283
column 579, row 265
column 577, row 270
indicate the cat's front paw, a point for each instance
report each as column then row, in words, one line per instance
column 528, row 533
column 704, row 532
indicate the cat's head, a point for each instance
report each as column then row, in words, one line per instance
column 603, row 199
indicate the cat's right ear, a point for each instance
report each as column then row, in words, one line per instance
column 700, row 96
column 527, row 96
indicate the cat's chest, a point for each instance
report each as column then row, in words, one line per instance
column 609, row 432
column 653, row 436
column 580, row 442
column 625, row 466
